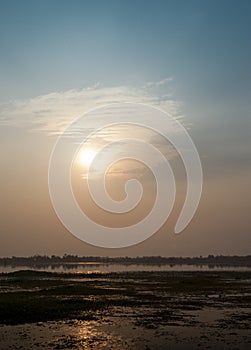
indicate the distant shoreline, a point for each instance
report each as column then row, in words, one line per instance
column 210, row 260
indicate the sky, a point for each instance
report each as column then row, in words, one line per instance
column 59, row 59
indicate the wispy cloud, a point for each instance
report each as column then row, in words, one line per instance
column 51, row 113
column 158, row 83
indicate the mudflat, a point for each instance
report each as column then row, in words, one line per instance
column 126, row 310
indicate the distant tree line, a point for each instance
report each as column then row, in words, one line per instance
column 211, row 260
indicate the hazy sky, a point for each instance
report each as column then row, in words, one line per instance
column 58, row 59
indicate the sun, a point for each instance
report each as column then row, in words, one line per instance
column 86, row 156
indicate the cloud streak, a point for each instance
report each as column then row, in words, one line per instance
column 51, row 113
column 158, row 83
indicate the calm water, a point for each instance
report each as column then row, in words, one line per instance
column 115, row 267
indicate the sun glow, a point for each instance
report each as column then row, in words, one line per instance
column 85, row 157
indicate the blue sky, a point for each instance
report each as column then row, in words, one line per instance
column 49, row 46
column 58, row 58
column 58, row 45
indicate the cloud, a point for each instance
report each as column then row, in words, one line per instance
column 158, row 83
column 51, row 113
